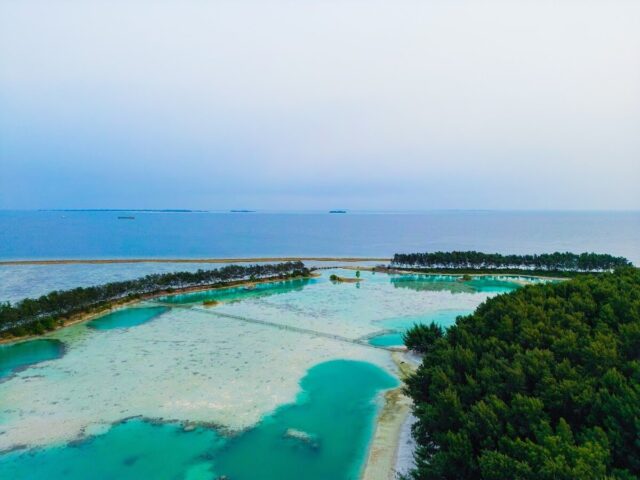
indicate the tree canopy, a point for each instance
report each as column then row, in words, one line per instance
column 557, row 261
column 36, row 315
column 540, row 383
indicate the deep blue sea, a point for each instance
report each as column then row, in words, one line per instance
column 82, row 234
column 90, row 235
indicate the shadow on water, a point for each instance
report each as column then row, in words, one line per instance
column 453, row 284
column 323, row 435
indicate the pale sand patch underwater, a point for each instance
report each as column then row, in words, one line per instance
column 351, row 310
column 324, row 434
column 195, row 368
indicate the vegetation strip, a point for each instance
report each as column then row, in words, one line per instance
column 542, row 383
column 547, row 262
column 36, row 316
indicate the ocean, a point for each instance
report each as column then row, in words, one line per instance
column 101, row 234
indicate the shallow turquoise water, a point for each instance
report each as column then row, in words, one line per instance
column 335, row 409
column 492, row 284
column 239, row 293
column 127, row 317
column 399, row 325
column 20, row 355
column 332, row 418
column 453, row 284
column 219, row 366
column 387, row 340
column 132, row 450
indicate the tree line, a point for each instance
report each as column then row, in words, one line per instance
column 557, row 261
column 539, row 384
column 37, row 315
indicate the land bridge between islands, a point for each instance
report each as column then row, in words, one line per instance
column 363, row 341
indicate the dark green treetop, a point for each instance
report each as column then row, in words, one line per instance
column 539, row 384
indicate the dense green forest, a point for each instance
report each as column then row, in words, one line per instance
column 542, row 383
column 37, row 315
column 558, row 261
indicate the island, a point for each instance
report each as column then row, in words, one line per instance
column 35, row 316
column 339, row 279
column 561, row 263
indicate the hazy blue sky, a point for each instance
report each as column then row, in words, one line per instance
column 320, row 104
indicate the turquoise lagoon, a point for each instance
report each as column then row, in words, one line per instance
column 126, row 318
column 195, row 392
column 323, row 434
column 455, row 283
column 23, row 354
column 397, row 326
column 239, row 293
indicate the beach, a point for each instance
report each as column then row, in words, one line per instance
column 388, row 452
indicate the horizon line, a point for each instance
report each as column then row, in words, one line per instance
column 342, row 211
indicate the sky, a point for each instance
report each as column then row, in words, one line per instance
column 357, row 104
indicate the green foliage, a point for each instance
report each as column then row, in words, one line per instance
column 583, row 262
column 334, row 278
column 421, row 338
column 542, row 383
column 38, row 315
column 357, row 273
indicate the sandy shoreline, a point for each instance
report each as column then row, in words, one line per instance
column 383, row 459
column 191, row 260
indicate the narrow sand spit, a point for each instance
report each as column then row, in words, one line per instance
column 406, row 447
column 386, row 455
